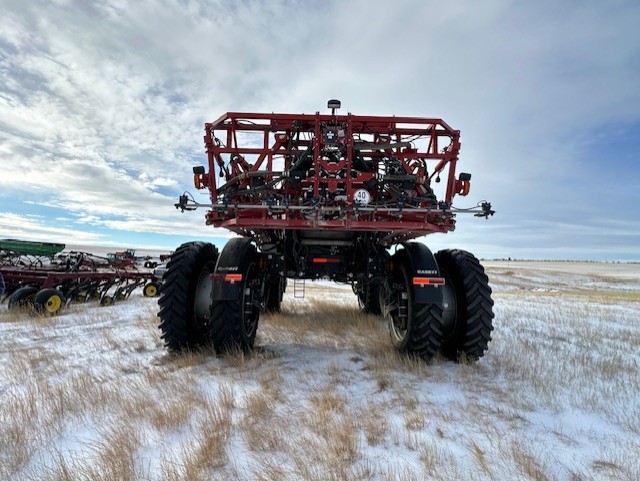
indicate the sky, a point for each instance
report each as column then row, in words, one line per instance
column 103, row 104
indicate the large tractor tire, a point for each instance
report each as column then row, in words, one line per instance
column 369, row 297
column 49, row 301
column 22, row 298
column 234, row 322
column 274, row 292
column 468, row 307
column 185, row 296
column 415, row 328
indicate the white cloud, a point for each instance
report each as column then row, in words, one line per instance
column 102, row 105
column 22, row 227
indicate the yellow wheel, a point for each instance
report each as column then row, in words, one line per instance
column 49, row 301
column 150, row 290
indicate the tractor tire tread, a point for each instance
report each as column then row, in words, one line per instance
column 427, row 331
column 174, row 296
column 474, row 341
column 427, row 325
column 225, row 326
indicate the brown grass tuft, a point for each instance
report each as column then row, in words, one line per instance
column 374, row 425
column 527, row 462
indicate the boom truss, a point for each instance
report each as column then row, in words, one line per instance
column 331, row 172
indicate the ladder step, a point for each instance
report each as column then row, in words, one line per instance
column 298, row 288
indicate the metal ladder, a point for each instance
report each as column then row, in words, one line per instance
column 298, row 288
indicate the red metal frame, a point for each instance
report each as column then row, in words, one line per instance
column 251, row 156
column 46, row 278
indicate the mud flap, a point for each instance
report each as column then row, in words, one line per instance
column 427, row 281
column 230, row 269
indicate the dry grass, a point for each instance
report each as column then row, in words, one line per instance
column 116, row 453
column 213, row 430
column 168, row 412
column 341, row 325
column 374, row 426
column 528, row 462
column 18, row 314
column 326, row 397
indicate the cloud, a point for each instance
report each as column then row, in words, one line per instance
column 21, row 227
column 102, row 104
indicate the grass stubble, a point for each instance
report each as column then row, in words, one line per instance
column 102, row 400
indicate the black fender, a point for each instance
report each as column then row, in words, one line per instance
column 424, row 265
column 233, row 262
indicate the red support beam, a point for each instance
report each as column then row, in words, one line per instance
column 311, row 171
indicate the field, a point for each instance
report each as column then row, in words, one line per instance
column 92, row 394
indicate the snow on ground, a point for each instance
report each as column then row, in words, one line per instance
column 92, row 393
column 564, row 275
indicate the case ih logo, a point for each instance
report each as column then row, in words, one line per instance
column 427, row 272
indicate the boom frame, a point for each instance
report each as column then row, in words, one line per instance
column 303, row 172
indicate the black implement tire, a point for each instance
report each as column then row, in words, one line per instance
column 49, row 301
column 468, row 310
column 22, row 298
column 369, row 298
column 234, row 323
column 415, row 328
column 152, row 289
column 274, row 292
column 185, row 296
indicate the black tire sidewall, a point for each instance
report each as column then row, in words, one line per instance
column 181, row 328
column 196, row 326
column 18, row 299
column 227, row 328
column 424, row 320
column 43, row 296
column 402, row 344
column 450, row 272
column 400, row 274
column 472, row 332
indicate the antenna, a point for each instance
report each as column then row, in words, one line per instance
column 333, row 104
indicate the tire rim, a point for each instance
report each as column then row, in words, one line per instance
column 361, row 303
column 53, row 304
column 150, row 291
column 202, row 297
column 449, row 308
column 399, row 327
